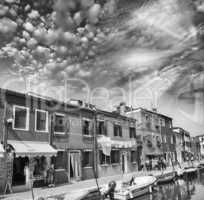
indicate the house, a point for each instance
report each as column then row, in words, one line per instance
column 195, row 148
column 117, row 146
column 25, row 135
column 184, row 149
column 155, row 131
column 201, row 141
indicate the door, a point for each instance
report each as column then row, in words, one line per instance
column 74, row 166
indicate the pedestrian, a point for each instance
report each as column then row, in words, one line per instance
column 111, row 189
column 51, row 176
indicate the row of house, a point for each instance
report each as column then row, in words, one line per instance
column 80, row 141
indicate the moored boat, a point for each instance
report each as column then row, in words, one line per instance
column 190, row 170
column 166, row 177
column 141, row 185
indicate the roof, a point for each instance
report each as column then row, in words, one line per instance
column 150, row 111
column 115, row 114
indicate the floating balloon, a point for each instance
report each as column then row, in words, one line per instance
column 93, row 13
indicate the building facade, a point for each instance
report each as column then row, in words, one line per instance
column 117, row 147
column 155, row 130
column 195, row 148
column 183, row 144
column 201, row 141
column 38, row 133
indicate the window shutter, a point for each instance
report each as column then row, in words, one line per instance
column 105, row 127
column 91, row 128
column 120, row 131
column 67, row 124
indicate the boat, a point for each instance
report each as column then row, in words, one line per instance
column 141, row 185
column 190, row 170
column 166, row 176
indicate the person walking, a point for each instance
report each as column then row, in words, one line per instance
column 51, row 176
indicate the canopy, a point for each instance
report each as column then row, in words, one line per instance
column 106, row 144
column 31, row 149
column 1, row 151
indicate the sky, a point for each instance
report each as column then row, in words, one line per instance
column 147, row 53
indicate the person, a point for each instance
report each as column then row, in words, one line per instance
column 27, row 173
column 111, row 189
column 50, row 176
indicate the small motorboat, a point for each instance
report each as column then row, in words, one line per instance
column 166, row 176
column 190, row 170
column 140, row 186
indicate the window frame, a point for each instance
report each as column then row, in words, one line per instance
column 104, row 124
column 115, row 163
column 47, row 121
column 106, row 163
column 62, row 115
column 90, row 151
column 118, row 125
column 132, row 160
column 130, row 135
column 27, row 123
column 90, row 121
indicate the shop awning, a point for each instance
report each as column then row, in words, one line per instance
column 1, row 151
column 30, row 148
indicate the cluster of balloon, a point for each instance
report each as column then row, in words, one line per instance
column 35, row 34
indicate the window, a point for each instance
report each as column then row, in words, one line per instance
column 115, row 156
column 164, row 139
column 101, row 128
column 59, row 124
column 132, row 132
column 41, row 120
column 133, row 156
column 59, row 161
column 21, row 118
column 104, row 160
column 117, row 130
column 87, row 159
column 86, row 127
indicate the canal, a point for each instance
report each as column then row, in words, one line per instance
column 188, row 188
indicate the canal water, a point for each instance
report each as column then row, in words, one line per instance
column 189, row 188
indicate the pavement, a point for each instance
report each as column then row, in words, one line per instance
column 77, row 188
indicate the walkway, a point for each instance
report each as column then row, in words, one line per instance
column 72, row 189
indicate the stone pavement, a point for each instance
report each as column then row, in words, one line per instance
column 72, row 189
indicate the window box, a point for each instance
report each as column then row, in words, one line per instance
column 41, row 121
column 21, row 118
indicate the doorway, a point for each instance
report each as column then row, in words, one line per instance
column 19, row 176
column 74, row 166
column 124, row 162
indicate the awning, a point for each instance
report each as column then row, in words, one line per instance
column 106, row 144
column 1, row 151
column 31, row 149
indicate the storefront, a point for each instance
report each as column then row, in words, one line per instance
column 31, row 161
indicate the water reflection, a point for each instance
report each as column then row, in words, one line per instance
column 189, row 188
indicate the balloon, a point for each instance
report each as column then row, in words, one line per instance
column 87, row 3
column 77, row 18
column 29, row 27
column 93, row 13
